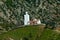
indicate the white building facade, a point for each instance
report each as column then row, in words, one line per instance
column 26, row 19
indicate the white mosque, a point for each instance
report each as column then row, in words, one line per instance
column 27, row 20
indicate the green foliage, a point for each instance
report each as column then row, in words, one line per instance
column 41, row 9
column 9, row 3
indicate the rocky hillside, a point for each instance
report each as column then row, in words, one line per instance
column 12, row 11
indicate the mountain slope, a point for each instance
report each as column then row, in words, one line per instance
column 12, row 11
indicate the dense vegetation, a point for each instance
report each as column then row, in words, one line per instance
column 31, row 33
column 12, row 11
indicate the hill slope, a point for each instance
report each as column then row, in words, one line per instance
column 31, row 33
column 12, row 11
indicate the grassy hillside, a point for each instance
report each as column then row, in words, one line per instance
column 31, row 33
